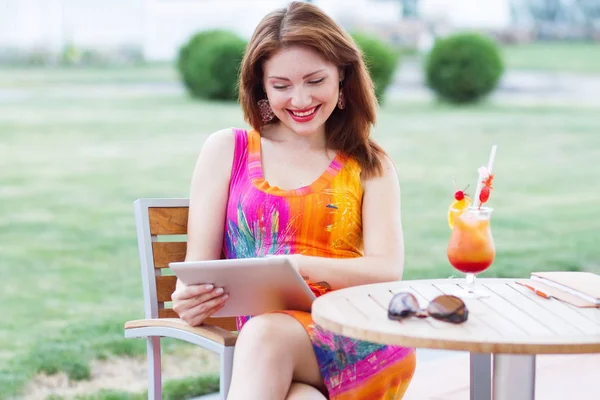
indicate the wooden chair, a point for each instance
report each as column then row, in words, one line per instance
column 157, row 220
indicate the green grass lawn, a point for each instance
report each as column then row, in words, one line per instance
column 580, row 57
column 75, row 156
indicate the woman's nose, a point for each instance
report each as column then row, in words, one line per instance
column 301, row 98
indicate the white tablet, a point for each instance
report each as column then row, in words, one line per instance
column 255, row 285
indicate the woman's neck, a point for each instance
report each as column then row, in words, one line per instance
column 281, row 133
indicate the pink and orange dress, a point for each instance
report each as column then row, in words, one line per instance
column 323, row 220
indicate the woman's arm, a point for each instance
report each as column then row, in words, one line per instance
column 382, row 236
column 208, row 197
column 208, row 201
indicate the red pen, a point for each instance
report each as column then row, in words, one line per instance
column 538, row 292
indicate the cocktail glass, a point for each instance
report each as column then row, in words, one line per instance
column 471, row 247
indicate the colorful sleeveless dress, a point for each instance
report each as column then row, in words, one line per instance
column 324, row 220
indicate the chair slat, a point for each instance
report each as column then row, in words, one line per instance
column 167, row 252
column 168, row 220
column 173, row 221
column 225, row 323
column 167, row 313
column 165, row 286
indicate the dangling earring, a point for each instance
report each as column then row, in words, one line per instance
column 266, row 112
column 341, row 101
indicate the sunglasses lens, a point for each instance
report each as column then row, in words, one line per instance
column 448, row 308
column 402, row 305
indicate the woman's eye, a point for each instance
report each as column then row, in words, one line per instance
column 279, row 87
column 316, row 81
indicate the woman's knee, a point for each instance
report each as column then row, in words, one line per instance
column 279, row 340
column 267, row 334
column 301, row 391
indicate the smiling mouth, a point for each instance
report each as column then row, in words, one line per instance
column 303, row 114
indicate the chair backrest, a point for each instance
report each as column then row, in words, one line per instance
column 161, row 233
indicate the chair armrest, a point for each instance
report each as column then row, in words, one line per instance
column 214, row 333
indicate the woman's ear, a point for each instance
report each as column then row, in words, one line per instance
column 342, row 74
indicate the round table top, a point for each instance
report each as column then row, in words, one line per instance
column 512, row 320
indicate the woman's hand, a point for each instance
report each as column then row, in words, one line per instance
column 195, row 303
column 296, row 261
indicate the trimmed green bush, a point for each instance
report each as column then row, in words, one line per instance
column 209, row 63
column 463, row 68
column 193, row 45
column 381, row 61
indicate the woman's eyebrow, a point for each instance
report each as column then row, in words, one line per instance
column 304, row 77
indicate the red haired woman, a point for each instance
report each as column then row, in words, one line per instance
column 308, row 181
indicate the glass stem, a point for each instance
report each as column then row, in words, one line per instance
column 471, row 283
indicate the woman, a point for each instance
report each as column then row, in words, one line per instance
column 307, row 181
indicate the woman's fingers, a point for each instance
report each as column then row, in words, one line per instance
column 189, row 308
column 204, row 316
column 191, row 291
column 209, row 304
column 206, row 309
column 210, row 295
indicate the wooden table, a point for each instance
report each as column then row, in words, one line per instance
column 514, row 324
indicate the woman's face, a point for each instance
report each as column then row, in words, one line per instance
column 302, row 88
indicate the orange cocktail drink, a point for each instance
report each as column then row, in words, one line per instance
column 471, row 247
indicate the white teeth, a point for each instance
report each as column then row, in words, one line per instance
column 304, row 114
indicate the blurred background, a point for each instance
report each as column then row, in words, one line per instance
column 104, row 102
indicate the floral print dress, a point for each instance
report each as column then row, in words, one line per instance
column 324, row 220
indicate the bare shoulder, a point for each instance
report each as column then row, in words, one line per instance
column 388, row 166
column 219, row 142
column 388, row 176
column 217, row 152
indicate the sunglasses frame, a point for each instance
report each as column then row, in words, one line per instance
column 458, row 315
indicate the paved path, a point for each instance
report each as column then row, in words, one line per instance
column 444, row 375
column 559, row 377
column 515, row 86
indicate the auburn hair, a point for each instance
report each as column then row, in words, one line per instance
column 303, row 24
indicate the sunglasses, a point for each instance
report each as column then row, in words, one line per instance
column 446, row 308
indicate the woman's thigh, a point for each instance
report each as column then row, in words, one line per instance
column 286, row 337
column 301, row 391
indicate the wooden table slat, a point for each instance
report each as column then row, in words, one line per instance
column 590, row 313
column 332, row 315
column 351, row 313
column 535, row 310
column 562, row 310
column 381, row 297
column 450, row 286
column 474, row 325
column 499, row 324
column 367, row 306
column 426, row 293
column 523, row 320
